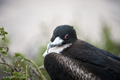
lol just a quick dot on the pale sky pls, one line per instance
(30, 22)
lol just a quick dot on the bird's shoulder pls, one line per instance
(83, 51)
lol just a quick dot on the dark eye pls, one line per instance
(66, 36)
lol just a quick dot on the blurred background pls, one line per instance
(30, 23)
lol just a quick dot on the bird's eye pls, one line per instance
(66, 36)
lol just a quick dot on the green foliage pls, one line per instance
(3, 33)
(16, 71)
(13, 78)
(23, 58)
(4, 50)
(18, 55)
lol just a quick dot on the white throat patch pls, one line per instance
(57, 49)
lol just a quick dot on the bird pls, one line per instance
(70, 58)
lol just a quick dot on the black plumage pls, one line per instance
(80, 60)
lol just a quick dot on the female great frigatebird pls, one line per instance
(69, 58)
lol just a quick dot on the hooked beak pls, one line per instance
(57, 42)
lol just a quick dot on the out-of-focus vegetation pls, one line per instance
(25, 71)
(15, 71)
(108, 43)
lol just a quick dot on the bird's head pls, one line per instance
(62, 37)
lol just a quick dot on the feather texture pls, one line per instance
(82, 61)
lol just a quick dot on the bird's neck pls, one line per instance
(59, 49)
